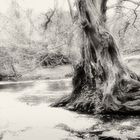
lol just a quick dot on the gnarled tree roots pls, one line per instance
(119, 95)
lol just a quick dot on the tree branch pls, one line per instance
(49, 18)
(116, 5)
(135, 12)
(134, 2)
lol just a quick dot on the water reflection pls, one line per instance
(26, 114)
(45, 91)
(15, 86)
(37, 99)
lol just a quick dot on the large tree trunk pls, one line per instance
(101, 81)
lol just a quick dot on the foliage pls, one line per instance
(24, 40)
(54, 59)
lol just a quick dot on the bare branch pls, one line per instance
(135, 12)
(134, 2)
(131, 1)
(49, 17)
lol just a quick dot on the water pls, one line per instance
(25, 113)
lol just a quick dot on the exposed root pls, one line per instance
(61, 102)
(123, 97)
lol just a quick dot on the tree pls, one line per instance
(124, 24)
(101, 82)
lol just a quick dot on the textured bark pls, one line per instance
(101, 83)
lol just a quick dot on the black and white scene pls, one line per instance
(69, 69)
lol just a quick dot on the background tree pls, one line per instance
(124, 25)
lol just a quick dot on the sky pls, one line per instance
(40, 5)
(37, 5)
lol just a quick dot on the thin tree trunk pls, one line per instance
(101, 83)
(71, 10)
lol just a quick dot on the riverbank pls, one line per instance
(64, 71)
(41, 73)
(58, 72)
